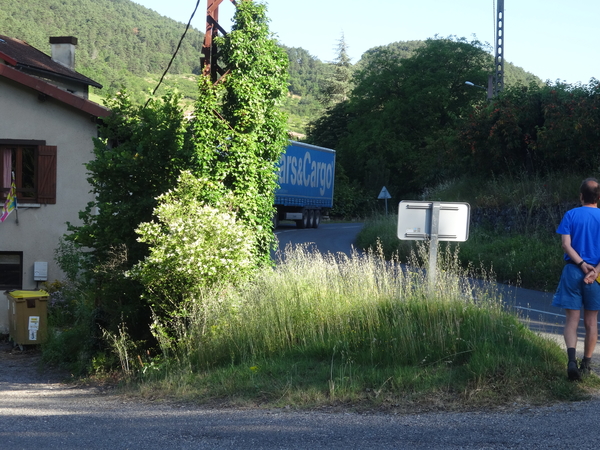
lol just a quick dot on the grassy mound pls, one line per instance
(324, 330)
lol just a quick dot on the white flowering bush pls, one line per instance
(194, 246)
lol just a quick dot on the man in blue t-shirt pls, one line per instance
(580, 231)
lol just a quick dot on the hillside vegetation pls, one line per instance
(116, 37)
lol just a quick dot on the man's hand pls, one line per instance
(587, 268)
(591, 274)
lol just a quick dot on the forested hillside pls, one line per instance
(114, 34)
(123, 44)
(119, 41)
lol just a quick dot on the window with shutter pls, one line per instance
(34, 167)
(46, 175)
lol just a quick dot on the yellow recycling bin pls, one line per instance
(28, 316)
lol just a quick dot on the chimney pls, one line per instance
(63, 50)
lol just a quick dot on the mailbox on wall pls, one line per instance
(40, 271)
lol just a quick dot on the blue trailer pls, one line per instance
(306, 175)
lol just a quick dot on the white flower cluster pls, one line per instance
(193, 245)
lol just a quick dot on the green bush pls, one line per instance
(71, 333)
(193, 246)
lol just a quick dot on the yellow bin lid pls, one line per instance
(28, 294)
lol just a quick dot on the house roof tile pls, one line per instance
(24, 57)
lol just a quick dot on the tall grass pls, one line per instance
(533, 260)
(347, 326)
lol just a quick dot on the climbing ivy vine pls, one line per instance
(239, 129)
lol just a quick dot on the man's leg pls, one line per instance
(590, 321)
(571, 324)
(591, 305)
(570, 334)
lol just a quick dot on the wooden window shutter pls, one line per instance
(46, 179)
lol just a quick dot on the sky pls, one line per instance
(553, 39)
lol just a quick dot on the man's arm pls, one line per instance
(573, 255)
(590, 271)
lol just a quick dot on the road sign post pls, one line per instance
(384, 194)
(433, 221)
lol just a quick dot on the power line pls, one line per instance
(175, 53)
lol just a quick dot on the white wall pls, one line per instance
(23, 116)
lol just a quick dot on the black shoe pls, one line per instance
(573, 371)
(584, 368)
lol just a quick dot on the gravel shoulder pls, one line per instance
(39, 410)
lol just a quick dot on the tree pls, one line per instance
(138, 156)
(401, 126)
(337, 86)
(232, 145)
(404, 113)
(239, 130)
(349, 199)
(535, 129)
(395, 50)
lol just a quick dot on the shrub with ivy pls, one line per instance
(239, 131)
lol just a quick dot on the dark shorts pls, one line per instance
(573, 293)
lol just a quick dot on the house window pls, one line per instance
(34, 167)
(11, 270)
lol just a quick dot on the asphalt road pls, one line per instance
(328, 238)
(43, 415)
(39, 412)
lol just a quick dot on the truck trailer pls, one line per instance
(306, 175)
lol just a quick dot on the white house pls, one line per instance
(46, 130)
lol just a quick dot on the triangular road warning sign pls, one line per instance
(384, 194)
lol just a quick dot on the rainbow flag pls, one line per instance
(11, 202)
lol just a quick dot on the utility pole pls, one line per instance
(210, 53)
(499, 59)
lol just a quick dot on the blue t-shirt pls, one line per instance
(583, 225)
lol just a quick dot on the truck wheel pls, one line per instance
(303, 223)
(311, 218)
(317, 219)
